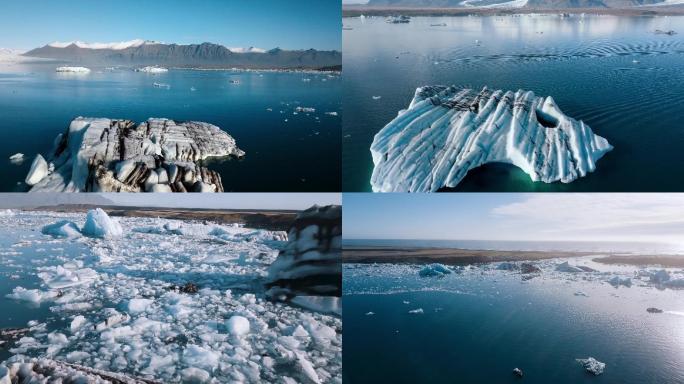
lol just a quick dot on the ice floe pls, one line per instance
(592, 365)
(99, 154)
(434, 270)
(125, 306)
(73, 69)
(446, 131)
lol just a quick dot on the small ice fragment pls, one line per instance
(592, 365)
(418, 311)
(138, 305)
(377, 97)
(370, 313)
(237, 326)
(518, 372)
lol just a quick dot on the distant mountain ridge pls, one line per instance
(205, 55)
(553, 4)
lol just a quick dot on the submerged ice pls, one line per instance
(158, 155)
(446, 131)
(123, 305)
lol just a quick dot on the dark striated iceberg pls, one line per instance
(158, 155)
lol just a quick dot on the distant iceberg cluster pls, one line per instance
(73, 69)
(446, 131)
(152, 69)
(158, 155)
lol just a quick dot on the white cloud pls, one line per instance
(626, 216)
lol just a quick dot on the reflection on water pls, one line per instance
(615, 73)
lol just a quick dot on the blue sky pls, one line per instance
(505, 216)
(291, 24)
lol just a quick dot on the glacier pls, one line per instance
(447, 131)
(108, 155)
(116, 313)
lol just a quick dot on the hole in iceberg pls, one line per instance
(545, 119)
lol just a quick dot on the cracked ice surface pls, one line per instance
(445, 132)
(115, 308)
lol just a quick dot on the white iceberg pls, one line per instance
(17, 158)
(62, 228)
(418, 311)
(73, 69)
(152, 69)
(592, 365)
(660, 277)
(99, 224)
(435, 269)
(237, 325)
(618, 281)
(446, 131)
(39, 169)
(566, 267)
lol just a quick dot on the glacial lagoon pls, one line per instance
(617, 74)
(286, 149)
(479, 322)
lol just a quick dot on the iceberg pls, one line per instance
(17, 158)
(592, 365)
(62, 228)
(566, 267)
(73, 69)
(310, 264)
(99, 224)
(105, 155)
(152, 69)
(617, 281)
(434, 270)
(446, 131)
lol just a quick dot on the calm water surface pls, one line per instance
(300, 154)
(613, 72)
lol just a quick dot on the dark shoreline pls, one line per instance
(453, 256)
(358, 10)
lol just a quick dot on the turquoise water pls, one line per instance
(478, 325)
(300, 154)
(614, 73)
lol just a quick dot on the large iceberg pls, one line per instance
(447, 131)
(310, 265)
(158, 155)
(99, 224)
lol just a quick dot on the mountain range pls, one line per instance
(205, 55)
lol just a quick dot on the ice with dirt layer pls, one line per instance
(446, 131)
(107, 155)
(119, 308)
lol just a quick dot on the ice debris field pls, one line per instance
(447, 131)
(155, 299)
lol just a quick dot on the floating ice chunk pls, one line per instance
(370, 313)
(592, 365)
(580, 293)
(238, 325)
(39, 169)
(31, 295)
(6, 213)
(195, 375)
(17, 158)
(660, 277)
(62, 228)
(306, 368)
(113, 318)
(73, 69)
(305, 109)
(617, 281)
(197, 356)
(566, 267)
(377, 97)
(445, 132)
(322, 304)
(331, 113)
(508, 266)
(418, 311)
(77, 323)
(435, 269)
(138, 305)
(99, 224)
(152, 69)
(67, 276)
(675, 283)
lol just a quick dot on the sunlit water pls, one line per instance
(614, 73)
(479, 324)
(285, 151)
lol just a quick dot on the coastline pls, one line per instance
(381, 11)
(454, 256)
